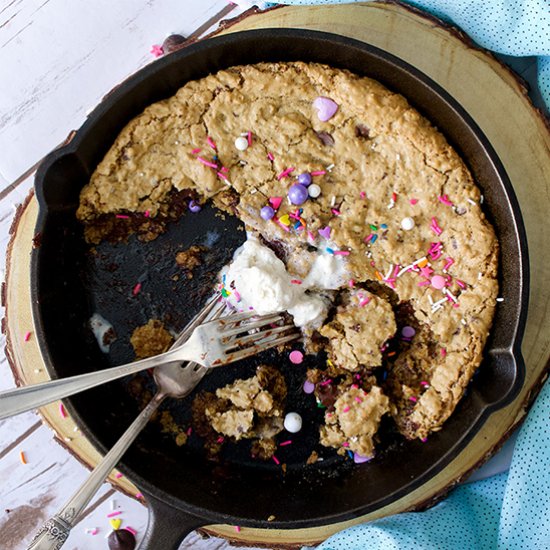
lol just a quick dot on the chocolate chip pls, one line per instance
(173, 43)
(362, 131)
(121, 539)
(326, 138)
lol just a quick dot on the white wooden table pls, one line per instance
(58, 58)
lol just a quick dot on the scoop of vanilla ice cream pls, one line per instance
(257, 279)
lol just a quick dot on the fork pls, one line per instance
(23, 399)
(173, 380)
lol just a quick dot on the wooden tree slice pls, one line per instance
(498, 102)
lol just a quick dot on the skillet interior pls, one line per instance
(68, 287)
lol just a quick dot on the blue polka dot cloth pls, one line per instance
(512, 27)
(509, 511)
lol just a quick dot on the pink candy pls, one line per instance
(438, 282)
(296, 357)
(326, 108)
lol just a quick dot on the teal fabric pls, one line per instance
(512, 27)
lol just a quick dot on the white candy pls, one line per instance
(293, 422)
(314, 190)
(241, 143)
(407, 224)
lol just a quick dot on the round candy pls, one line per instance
(267, 213)
(309, 387)
(297, 193)
(408, 332)
(293, 422)
(296, 357)
(121, 539)
(438, 282)
(173, 43)
(314, 190)
(194, 207)
(241, 143)
(304, 179)
(407, 224)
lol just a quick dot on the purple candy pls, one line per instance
(194, 207)
(309, 387)
(408, 332)
(304, 179)
(298, 194)
(326, 108)
(358, 459)
(267, 213)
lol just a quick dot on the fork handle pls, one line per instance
(26, 398)
(53, 534)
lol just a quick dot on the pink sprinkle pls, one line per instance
(318, 173)
(295, 281)
(211, 142)
(364, 302)
(423, 283)
(363, 195)
(413, 201)
(358, 399)
(435, 227)
(270, 157)
(424, 383)
(62, 411)
(285, 173)
(351, 283)
(367, 239)
(249, 138)
(237, 528)
(443, 352)
(311, 236)
(207, 163)
(118, 475)
(189, 431)
(280, 224)
(139, 495)
(335, 211)
(460, 283)
(222, 176)
(27, 336)
(237, 296)
(448, 263)
(225, 169)
(345, 444)
(284, 443)
(147, 213)
(156, 50)
(136, 289)
(122, 216)
(345, 409)
(131, 529)
(196, 151)
(413, 399)
(276, 460)
(94, 531)
(296, 357)
(445, 200)
(219, 440)
(341, 252)
(355, 386)
(113, 514)
(326, 382)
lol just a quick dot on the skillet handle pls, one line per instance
(167, 526)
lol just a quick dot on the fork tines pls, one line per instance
(245, 335)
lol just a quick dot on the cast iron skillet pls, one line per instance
(182, 489)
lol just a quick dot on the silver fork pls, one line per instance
(173, 380)
(30, 397)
